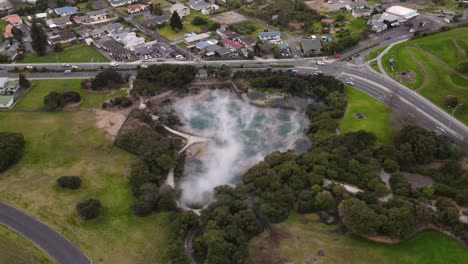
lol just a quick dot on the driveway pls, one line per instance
(54, 244)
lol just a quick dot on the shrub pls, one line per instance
(89, 209)
(198, 21)
(69, 182)
(121, 101)
(107, 79)
(55, 101)
(451, 101)
(11, 149)
(390, 166)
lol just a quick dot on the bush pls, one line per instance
(55, 101)
(121, 101)
(69, 182)
(390, 166)
(89, 209)
(198, 21)
(107, 79)
(11, 149)
(451, 101)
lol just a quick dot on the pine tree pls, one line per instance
(176, 23)
(39, 39)
(23, 82)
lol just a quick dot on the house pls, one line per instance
(113, 27)
(225, 52)
(114, 48)
(61, 37)
(7, 33)
(377, 25)
(155, 22)
(248, 42)
(95, 16)
(86, 31)
(202, 45)
(128, 39)
(232, 44)
(117, 3)
(60, 22)
(66, 11)
(14, 20)
(311, 46)
(136, 8)
(180, 9)
(199, 5)
(274, 35)
(192, 38)
(211, 50)
(5, 5)
(357, 13)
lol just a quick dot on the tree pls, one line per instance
(38, 39)
(157, 9)
(11, 149)
(23, 82)
(17, 34)
(358, 217)
(69, 182)
(58, 47)
(108, 78)
(199, 21)
(52, 101)
(451, 101)
(324, 201)
(390, 166)
(176, 23)
(89, 209)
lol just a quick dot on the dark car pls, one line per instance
(2, 68)
(387, 38)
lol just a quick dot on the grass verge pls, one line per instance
(81, 53)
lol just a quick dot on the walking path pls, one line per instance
(54, 244)
(462, 51)
(379, 57)
(190, 138)
(421, 69)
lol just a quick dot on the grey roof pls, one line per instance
(270, 34)
(67, 10)
(213, 48)
(156, 20)
(96, 12)
(223, 51)
(311, 44)
(59, 20)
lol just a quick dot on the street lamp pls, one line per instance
(453, 112)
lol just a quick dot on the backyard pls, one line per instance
(300, 237)
(81, 53)
(170, 34)
(376, 116)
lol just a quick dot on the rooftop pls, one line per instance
(311, 44)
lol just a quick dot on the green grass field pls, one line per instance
(69, 143)
(297, 242)
(377, 115)
(356, 27)
(81, 53)
(373, 54)
(402, 63)
(16, 249)
(34, 98)
(3, 25)
(170, 34)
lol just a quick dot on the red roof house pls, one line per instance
(232, 44)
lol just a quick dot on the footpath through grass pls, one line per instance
(16, 249)
(300, 237)
(377, 116)
(34, 98)
(81, 53)
(69, 143)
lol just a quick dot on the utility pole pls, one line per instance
(453, 112)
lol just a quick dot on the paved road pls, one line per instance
(54, 244)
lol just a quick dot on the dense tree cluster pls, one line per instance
(38, 39)
(158, 78)
(106, 79)
(56, 101)
(69, 182)
(121, 101)
(11, 149)
(89, 209)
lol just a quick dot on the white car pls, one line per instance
(74, 67)
(65, 65)
(412, 30)
(29, 67)
(350, 83)
(114, 64)
(144, 66)
(320, 63)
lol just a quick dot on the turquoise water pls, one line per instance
(242, 136)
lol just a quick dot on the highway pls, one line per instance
(54, 244)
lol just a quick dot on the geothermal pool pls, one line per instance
(242, 136)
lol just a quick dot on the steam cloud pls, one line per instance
(243, 135)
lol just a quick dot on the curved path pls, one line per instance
(191, 139)
(439, 61)
(54, 244)
(462, 51)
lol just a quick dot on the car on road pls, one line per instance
(180, 57)
(317, 73)
(336, 56)
(350, 83)
(29, 67)
(67, 72)
(144, 66)
(293, 70)
(320, 63)
(2, 68)
(74, 67)
(114, 64)
(66, 65)
(268, 69)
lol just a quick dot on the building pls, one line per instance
(311, 46)
(192, 38)
(357, 13)
(233, 45)
(95, 16)
(199, 5)
(113, 27)
(66, 11)
(14, 20)
(155, 22)
(248, 42)
(60, 22)
(115, 49)
(136, 8)
(61, 37)
(225, 52)
(202, 45)
(117, 3)
(402, 12)
(87, 31)
(180, 9)
(274, 35)
(5, 5)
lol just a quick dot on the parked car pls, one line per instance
(114, 64)
(65, 65)
(74, 67)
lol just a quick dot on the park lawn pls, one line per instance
(300, 237)
(375, 67)
(246, 24)
(81, 53)
(463, 44)
(16, 249)
(402, 63)
(69, 143)
(442, 83)
(170, 34)
(373, 54)
(34, 98)
(377, 115)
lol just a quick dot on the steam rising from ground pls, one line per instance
(242, 136)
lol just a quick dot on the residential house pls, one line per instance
(128, 39)
(225, 52)
(117, 3)
(66, 11)
(60, 22)
(233, 45)
(199, 5)
(202, 45)
(357, 13)
(209, 10)
(12, 51)
(311, 46)
(274, 35)
(114, 48)
(5, 5)
(61, 37)
(193, 38)
(113, 27)
(14, 20)
(136, 8)
(155, 22)
(248, 42)
(211, 50)
(88, 31)
(95, 16)
(181, 10)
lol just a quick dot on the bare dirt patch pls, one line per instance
(229, 18)
(417, 180)
(109, 121)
